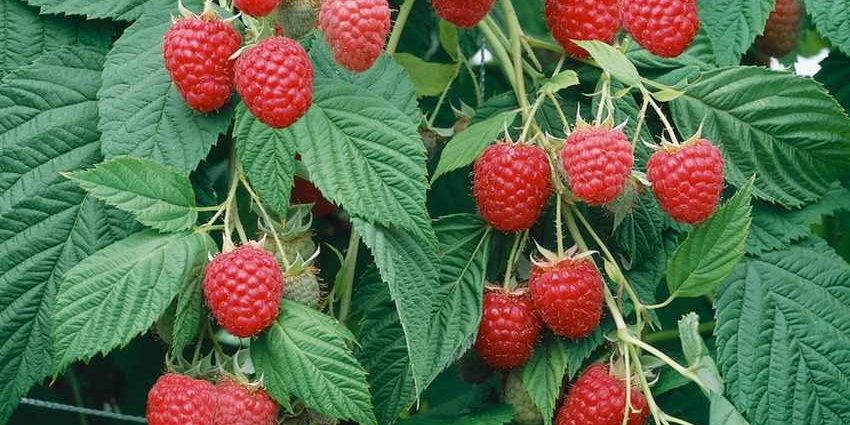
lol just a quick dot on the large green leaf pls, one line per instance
(832, 19)
(784, 129)
(783, 337)
(429, 78)
(544, 374)
(190, 311)
(141, 112)
(117, 293)
(712, 249)
(126, 10)
(464, 148)
(157, 195)
(612, 61)
(306, 354)
(732, 25)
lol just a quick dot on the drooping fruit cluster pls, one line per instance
(687, 179)
(780, 33)
(197, 51)
(275, 80)
(597, 398)
(582, 20)
(243, 289)
(525, 411)
(356, 30)
(240, 404)
(509, 328)
(256, 8)
(664, 27)
(598, 161)
(463, 13)
(512, 184)
(567, 293)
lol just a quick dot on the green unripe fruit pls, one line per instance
(526, 413)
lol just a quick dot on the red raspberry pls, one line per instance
(463, 13)
(512, 184)
(568, 296)
(243, 288)
(303, 192)
(664, 27)
(241, 405)
(509, 329)
(256, 8)
(275, 80)
(356, 30)
(197, 54)
(180, 400)
(687, 180)
(598, 162)
(582, 20)
(780, 33)
(597, 398)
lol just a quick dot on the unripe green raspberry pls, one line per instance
(318, 419)
(526, 413)
(304, 288)
(298, 17)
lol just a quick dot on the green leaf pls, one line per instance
(497, 415)
(784, 129)
(429, 78)
(832, 19)
(783, 337)
(190, 306)
(449, 40)
(640, 233)
(613, 61)
(125, 10)
(464, 148)
(722, 412)
(158, 196)
(732, 25)
(712, 249)
(699, 359)
(579, 351)
(543, 375)
(267, 156)
(563, 80)
(306, 354)
(118, 292)
(141, 112)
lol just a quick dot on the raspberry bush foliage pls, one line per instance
(425, 212)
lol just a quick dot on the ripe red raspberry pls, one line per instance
(664, 27)
(582, 20)
(509, 328)
(598, 162)
(687, 180)
(275, 80)
(241, 405)
(567, 295)
(780, 33)
(304, 192)
(180, 400)
(356, 30)
(512, 184)
(256, 8)
(463, 13)
(243, 288)
(197, 54)
(597, 398)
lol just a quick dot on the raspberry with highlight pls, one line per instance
(356, 30)
(512, 184)
(257, 8)
(568, 296)
(275, 80)
(241, 405)
(463, 13)
(197, 54)
(780, 33)
(687, 180)
(180, 400)
(243, 289)
(598, 162)
(582, 20)
(664, 27)
(597, 398)
(508, 330)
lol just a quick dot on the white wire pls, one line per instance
(82, 410)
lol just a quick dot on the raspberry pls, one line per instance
(256, 8)
(298, 17)
(180, 400)
(582, 20)
(597, 398)
(780, 33)
(243, 290)
(687, 180)
(509, 329)
(241, 405)
(568, 296)
(197, 54)
(275, 80)
(525, 412)
(305, 192)
(512, 184)
(356, 30)
(463, 13)
(664, 27)
(598, 162)
(304, 288)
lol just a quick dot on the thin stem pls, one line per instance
(348, 279)
(559, 227)
(530, 120)
(657, 414)
(574, 231)
(196, 354)
(216, 345)
(400, 22)
(672, 334)
(509, 269)
(542, 44)
(628, 407)
(498, 50)
(213, 208)
(561, 114)
(267, 220)
(475, 84)
(515, 32)
(441, 100)
(666, 302)
(641, 120)
(648, 97)
(76, 393)
(627, 337)
(606, 81)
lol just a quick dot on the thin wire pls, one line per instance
(82, 410)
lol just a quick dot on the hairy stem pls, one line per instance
(400, 22)
(349, 265)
